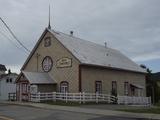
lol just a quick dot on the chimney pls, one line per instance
(71, 33)
(9, 71)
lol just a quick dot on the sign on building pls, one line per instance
(64, 62)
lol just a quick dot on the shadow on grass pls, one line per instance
(148, 110)
(69, 103)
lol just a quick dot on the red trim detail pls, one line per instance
(80, 79)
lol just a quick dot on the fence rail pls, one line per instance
(127, 100)
(85, 97)
(77, 97)
(12, 96)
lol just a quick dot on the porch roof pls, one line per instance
(38, 78)
(137, 86)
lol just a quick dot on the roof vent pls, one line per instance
(71, 33)
(105, 44)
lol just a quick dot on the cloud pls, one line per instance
(131, 26)
(147, 57)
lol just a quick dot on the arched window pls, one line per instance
(64, 87)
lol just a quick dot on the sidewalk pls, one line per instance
(88, 110)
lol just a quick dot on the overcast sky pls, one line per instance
(131, 26)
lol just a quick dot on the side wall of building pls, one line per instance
(56, 51)
(7, 86)
(91, 74)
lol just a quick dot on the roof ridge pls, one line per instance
(57, 32)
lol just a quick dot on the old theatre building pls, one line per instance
(64, 63)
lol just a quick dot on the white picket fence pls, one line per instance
(127, 100)
(76, 97)
(86, 97)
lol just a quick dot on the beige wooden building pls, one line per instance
(65, 63)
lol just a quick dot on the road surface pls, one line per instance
(16, 112)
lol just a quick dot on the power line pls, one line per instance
(14, 35)
(11, 41)
(8, 38)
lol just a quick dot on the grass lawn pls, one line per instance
(69, 103)
(155, 110)
(62, 103)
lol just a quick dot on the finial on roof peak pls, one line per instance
(49, 26)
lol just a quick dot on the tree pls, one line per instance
(150, 83)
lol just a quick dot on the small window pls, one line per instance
(98, 87)
(126, 88)
(7, 80)
(114, 88)
(64, 87)
(47, 42)
(10, 80)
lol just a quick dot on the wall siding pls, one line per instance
(56, 51)
(46, 88)
(90, 75)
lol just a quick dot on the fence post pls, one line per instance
(83, 94)
(80, 98)
(15, 96)
(54, 96)
(90, 97)
(39, 97)
(30, 97)
(66, 96)
(9, 96)
(96, 97)
(118, 100)
(149, 101)
(103, 97)
(126, 100)
(73, 95)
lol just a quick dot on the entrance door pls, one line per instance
(24, 91)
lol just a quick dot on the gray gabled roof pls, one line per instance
(38, 78)
(94, 54)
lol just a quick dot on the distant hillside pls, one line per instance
(156, 76)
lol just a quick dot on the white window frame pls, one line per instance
(64, 87)
(98, 87)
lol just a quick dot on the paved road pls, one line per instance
(15, 112)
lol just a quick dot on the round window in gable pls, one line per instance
(47, 64)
